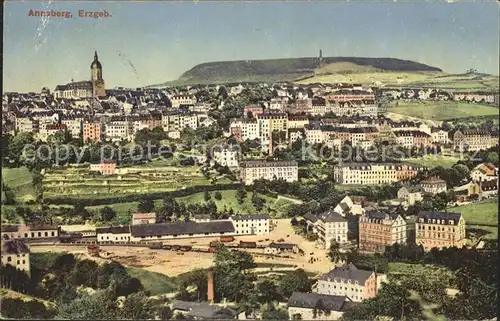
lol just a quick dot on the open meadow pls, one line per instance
(485, 212)
(441, 110)
(19, 181)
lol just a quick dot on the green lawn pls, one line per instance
(276, 206)
(19, 180)
(440, 110)
(155, 283)
(421, 271)
(431, 161)
(485, 212)
(485, 232)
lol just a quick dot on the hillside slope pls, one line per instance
(293, 69)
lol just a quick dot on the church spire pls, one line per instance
(95, 56)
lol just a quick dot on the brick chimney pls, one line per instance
(210, 288)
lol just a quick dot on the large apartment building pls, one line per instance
(374, 173)
(177, 121)
(92, 131)
(251, 171)
(378, 230)
(348, 280)
(16, 254)
(471, 140)
(439, 229)
(329, 226)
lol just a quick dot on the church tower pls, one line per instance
(320, 60)
(98, 88)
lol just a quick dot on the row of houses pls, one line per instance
(377, 229)
(113, 128)
(374, 173)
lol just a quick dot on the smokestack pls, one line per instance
(210, 288)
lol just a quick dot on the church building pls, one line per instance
(84, 89)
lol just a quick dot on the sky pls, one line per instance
(144, 43)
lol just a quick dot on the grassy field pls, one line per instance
(485, 232)
(153, 282)
(485, 212)
(19, 180)
(421, 271)
(277, 206)
(431, 161)
(440, 110)
(402, 79)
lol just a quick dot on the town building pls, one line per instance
(466, 192)
(84, 89)
(331, 226)
(143, 218)
(314, 306)
(251, 171)
(28, 232)
(374, 173)
(92, 131)
(433, 185)
(349, 281)
(104, 168)
(484, 172)
(410, 194)
(378, 230)
(118, 128)
(16, 253)
(226, 155)
(73, 125)
(440, 230)
(489, 188)
(26, 125)
(49, 130)
(258, 224)
(244, 129)
(281, 248)
(113, 234)
(350, 204)
(179, 100)
(439, 135)
(471, 140)
(178, 120)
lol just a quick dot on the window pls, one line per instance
(9, 259)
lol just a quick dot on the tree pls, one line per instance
(137, 306)
(98, 306)
(492, 157)
(334, 252)
(241, 193)
(145, 206)
(268, 291)
(218, 195)
(107, 214)
(296, 281)
(85, 273)
(270, 312)
(206, 196)
(20, 309)
(258, 202)
(64, 263)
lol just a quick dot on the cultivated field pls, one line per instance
(421, 271)
(441, 110)
(81, 183)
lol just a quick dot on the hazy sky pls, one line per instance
(162, 40)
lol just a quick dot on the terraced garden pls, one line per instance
(81, 183)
